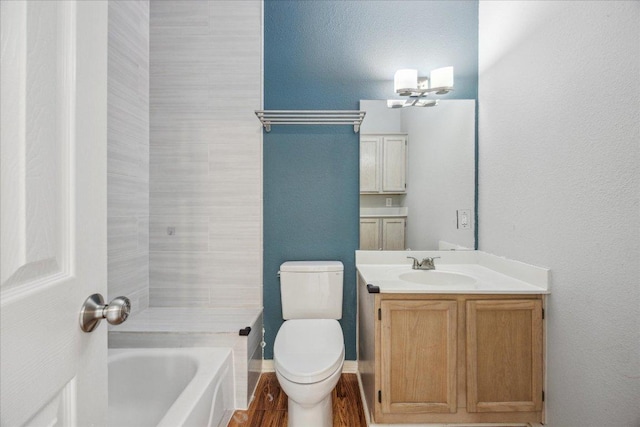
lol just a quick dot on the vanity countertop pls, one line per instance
(384, 212)
(479, 273)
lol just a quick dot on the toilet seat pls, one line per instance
(308, 350)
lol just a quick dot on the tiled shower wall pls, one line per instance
(128, 152)
(206, 159)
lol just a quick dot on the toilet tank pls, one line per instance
(311, 289)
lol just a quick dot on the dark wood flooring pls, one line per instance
(269, 406)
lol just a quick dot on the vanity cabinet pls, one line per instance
(418, 356)
(383, 164)
(384, 233)
(504, 355)
(451, 358)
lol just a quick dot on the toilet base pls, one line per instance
(318, 415)
(311, 405)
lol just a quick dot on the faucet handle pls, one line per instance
(427, 263)
(416, 263)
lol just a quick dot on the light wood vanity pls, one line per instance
(453, 357)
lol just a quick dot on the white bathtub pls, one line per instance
(170, 387)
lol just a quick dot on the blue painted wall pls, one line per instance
(329, 55)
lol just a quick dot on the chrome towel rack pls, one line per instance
(310, 117)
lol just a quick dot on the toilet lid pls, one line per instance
(308, 350)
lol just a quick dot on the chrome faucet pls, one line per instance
(425, 264)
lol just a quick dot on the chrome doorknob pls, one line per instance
(94, 310)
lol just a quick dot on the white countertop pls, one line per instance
(492, 274)
(384, 212)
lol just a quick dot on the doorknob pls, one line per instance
(94, 310)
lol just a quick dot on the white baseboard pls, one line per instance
(349, 367)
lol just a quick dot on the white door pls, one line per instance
(53, 211)
(369, 164)
(393, 234)
(370, 234)
(394, 166)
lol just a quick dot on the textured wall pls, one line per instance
(559, 129)
(128, 151)
(329, 55)
(206, 165)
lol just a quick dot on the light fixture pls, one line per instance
(412, 102)
(407, 83)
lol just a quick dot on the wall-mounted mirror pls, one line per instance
(417, 176)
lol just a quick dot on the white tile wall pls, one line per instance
(205, 157)
(178, 233)
(128, 152)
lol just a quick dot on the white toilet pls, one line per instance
(308, 353)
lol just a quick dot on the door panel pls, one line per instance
(34, 148)
(504, 356)
(393, 234)
(53, 210)
(370, 234)
(394, 168)
(369, 164)
(418, 356)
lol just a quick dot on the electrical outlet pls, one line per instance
(464, 219)
(389, 201)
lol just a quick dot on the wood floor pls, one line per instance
(269, 407)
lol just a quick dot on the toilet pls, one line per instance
(308, 352)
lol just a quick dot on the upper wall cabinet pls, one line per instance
(383, 164)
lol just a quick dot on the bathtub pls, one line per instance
(170, 387)
(182, 327)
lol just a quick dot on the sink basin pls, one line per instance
(434, 277)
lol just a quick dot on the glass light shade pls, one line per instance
(442, 77)
(426, 103)
(405, 79)
(395, 103)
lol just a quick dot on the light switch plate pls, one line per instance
(464, 219)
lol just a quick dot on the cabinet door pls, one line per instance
(393, 234)
(369, 164)
(370, 234)
(504, 356)
(418, 360)
(394, 175)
